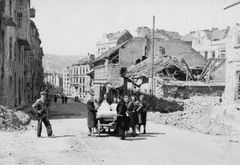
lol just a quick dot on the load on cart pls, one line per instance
(106, 118)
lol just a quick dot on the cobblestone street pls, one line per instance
(71, 145)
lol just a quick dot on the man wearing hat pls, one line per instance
(40, 107)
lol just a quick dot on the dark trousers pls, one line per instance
(121, 125)
(47, 124)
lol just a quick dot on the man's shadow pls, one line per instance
(60, 136)
(151, 134)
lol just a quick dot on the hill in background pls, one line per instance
(57, 63)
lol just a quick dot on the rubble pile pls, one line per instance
(11, 120)
(196, 116)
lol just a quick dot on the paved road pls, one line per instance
(161, 145)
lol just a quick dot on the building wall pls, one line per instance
(232, 91)
(19, 51)
(134, 50)
(208, 48)
(105, 44)
(66, 82)
(79, 80)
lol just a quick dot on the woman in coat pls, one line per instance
(132, 107)
(91, 118)
(142, 113)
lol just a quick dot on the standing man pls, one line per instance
(122, 119)
(66, 98)
(62, 99)
(40, 107)
(55, 99)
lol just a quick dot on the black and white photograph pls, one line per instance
(119, 82)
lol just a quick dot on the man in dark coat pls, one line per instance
(40, 107)
(62, 99)
(91, 118)
(65, 98)
(122, 119)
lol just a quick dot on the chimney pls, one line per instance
(91, 57)
(145, 46)
(161, 50)
(214, 29)
(237, 24)
(228, 27)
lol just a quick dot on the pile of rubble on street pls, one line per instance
(198, 115)
(13, 120)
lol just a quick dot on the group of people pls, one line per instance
(64, 99)
(131, 113)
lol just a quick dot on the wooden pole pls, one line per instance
(234, 4)
(152, 93)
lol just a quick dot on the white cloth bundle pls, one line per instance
(104, 111)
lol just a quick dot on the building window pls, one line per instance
(15, 51)
(10, 47)
(239, 39)
(19, 19)
(11, 81)
(206, 54)
(223, 53)
(213, 54)
(10, 8)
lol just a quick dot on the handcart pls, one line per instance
(106, 122)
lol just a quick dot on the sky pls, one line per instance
(73, 27)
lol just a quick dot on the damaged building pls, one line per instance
(21, 54)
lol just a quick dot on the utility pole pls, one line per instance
(152, 93)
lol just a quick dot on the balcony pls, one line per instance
(32, 13)
(23, 41)
(7, 20)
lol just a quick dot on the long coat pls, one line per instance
(91, 118)
(122, 119)
(142, 112)
(131, 109)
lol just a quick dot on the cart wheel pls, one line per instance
(99, 128)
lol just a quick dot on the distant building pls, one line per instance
(79, 80)
(109, 66)
(66, 81)
(211, 43)
(111, 40)
(56, 80)
(53, 78)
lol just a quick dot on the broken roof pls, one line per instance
(219, 75)
(116, 82)
(145, 31)
(83, 61)
(113, 36)
(175, 50)
(109, 52)
(143, 69)
(188, 37)
(216, 34)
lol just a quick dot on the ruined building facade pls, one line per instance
(21, 71)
